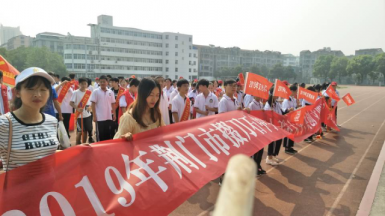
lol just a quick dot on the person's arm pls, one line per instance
(113, 111)
(176, 117)
(214, 109)
(94, 111)
(201, 111)
(60, 85)
(58, 109)
(123, 103)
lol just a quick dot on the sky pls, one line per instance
(287, 26)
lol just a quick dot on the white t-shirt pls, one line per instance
(255, 105)
(227, 104)
(163, 106)
(240, 97)
(178, 105)
(168, 91)
(76, 98)
(277, 108)
(247, 100)
(30, 142)
(65, 104)
(103, 103)
(201, 101)
(173, 94)
(9, 95)
(287, 104)
(122, 100)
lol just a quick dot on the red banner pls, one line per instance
(9, 72)
(348, 99)
(151, 175)
(241, 79)
(281, 90)
(257, 85)
(308, 95)
(332, 93)
(63, 91)
(329, 116)
(298, 131)
(83, 103)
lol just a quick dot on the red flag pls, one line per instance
(281, 90)
(257, 85)
(332, 93)
(298, 115)
(9, 72)
(241, 79)
(308, 95)
(348, 99)
(329, 116)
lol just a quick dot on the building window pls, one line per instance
(189, 70)
(167, 45)
(166, 53)
(190, 47)
(176, 61)
(189, 55)
(166, 61)
(166, 69)
(176, 37)
(189, 62)
(167, 37)
(190, 39)
(176, 53)
(176, 69)
(176, 45)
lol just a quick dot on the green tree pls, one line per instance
(289, 73)
(322, 66)
(255, 69)
(22, 58)
(338, 68)
(361, 65)
(380, 64)
(277, 72)
(264, 71)
(4, 53)
(373, 75)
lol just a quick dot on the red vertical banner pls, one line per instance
(348, 99)
(257, 85)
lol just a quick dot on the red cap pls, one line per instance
(97, 78)
(133, 76)
(286, 82)
(180, 77)
(333, 83)
(195, 80)
(220, 82)
(238, 83)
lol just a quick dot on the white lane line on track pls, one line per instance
(303, 148)
(342, 192)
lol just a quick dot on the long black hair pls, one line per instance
(30, 83)
(138, 107)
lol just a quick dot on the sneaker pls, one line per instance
(295, 151)
(289, 151)
(271, 162)
(278, 160)
(220, 181)
(308, 140)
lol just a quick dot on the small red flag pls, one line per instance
(332, 93)
(308, 95)
(281, 90)
(9, 72)
(257, 85)
(348, 99)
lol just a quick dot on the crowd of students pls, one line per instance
(121, 107)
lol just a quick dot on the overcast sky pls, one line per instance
(288, 26)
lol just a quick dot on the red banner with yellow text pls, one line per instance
(9, 72)
(151, 175)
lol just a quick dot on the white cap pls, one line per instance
(33, 71)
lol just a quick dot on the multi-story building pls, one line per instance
(290, 60)
(371, 52)
(52, 41)
(7, 33)
(124, 51)
(19, 41)
(213, 59)
(307, 60)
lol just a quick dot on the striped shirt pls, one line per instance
(30, 142)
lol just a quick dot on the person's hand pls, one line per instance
(79, 110)
(206, 113)
(61, 118)
(113, 117)
(247, 110)
(207, 107)
(127, 136)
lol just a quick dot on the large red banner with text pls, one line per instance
(151, 175)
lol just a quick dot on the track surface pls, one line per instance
(327, 177)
